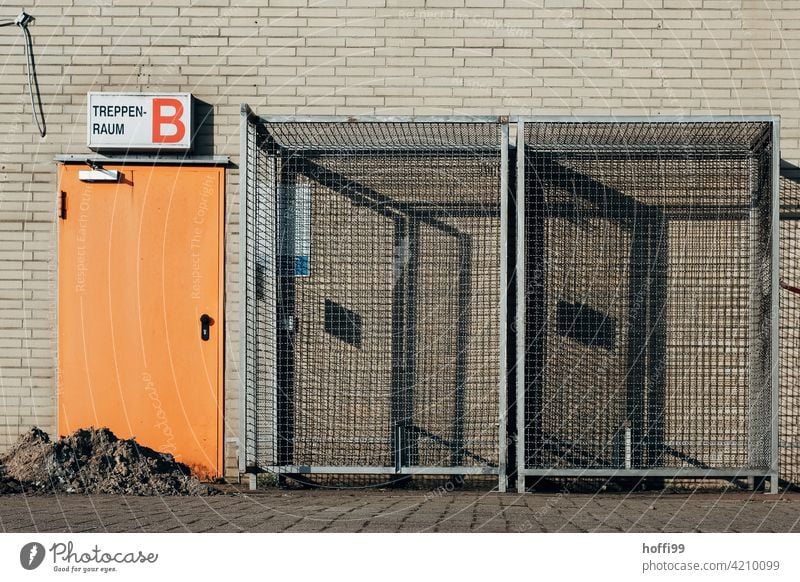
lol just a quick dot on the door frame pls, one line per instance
(120, 163)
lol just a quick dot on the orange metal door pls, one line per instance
(139, 265)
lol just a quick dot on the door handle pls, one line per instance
(205, 323)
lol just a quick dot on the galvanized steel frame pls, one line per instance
(246, 455)
(247, 459)
(775, 304)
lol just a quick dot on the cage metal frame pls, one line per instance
(247, 461)
(770, 472)
(518, 282)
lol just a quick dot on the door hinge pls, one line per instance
(62, 210)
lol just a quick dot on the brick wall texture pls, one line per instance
(576, 57)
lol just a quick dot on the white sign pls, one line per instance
(139, 121)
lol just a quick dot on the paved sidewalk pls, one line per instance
(404, 511)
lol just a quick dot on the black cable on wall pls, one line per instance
(37, 110)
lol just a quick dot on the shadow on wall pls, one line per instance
(203, 138)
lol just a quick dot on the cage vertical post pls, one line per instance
(521, 308)
(244, 451)
(775, 227)
(502, 367)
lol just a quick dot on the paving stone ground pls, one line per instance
(276, 510)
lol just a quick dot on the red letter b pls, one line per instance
(174, 119)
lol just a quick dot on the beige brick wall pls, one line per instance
(577, 57)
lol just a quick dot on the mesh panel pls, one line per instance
(382, 347)
(687, 139)
(647, 295)
(789, 428)
(380, 135)
(259, 183)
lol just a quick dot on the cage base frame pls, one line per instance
(376, 470)
(728, 474)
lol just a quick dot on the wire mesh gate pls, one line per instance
(648, 275)
(373, 318)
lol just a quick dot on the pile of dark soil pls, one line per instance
(93, 461)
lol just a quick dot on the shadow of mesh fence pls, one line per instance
(789, 427)
(648, 295)
(372, 296)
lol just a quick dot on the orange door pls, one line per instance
(139, 265)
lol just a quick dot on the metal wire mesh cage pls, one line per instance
(372, 267)
(648, 276)
(374, 307)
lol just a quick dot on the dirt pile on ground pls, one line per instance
(9, 484)
(93, 461)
